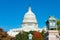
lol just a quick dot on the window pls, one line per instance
(52, 24)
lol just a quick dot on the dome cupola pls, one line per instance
(29, 17)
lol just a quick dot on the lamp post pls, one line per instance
(30, 37)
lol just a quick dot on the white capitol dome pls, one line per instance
(29, 16)
(29, 23)
(29, 19)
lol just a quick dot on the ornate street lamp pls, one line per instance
(30, 36)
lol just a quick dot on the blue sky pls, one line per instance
(12, 11)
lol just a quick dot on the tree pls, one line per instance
(58, 24)
(4, 35)
(43, 33)
(22, 36)
(37, 36)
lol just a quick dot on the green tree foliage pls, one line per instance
(24, 35)
(43, 33)
(58, 24)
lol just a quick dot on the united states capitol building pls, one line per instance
(30, 23)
